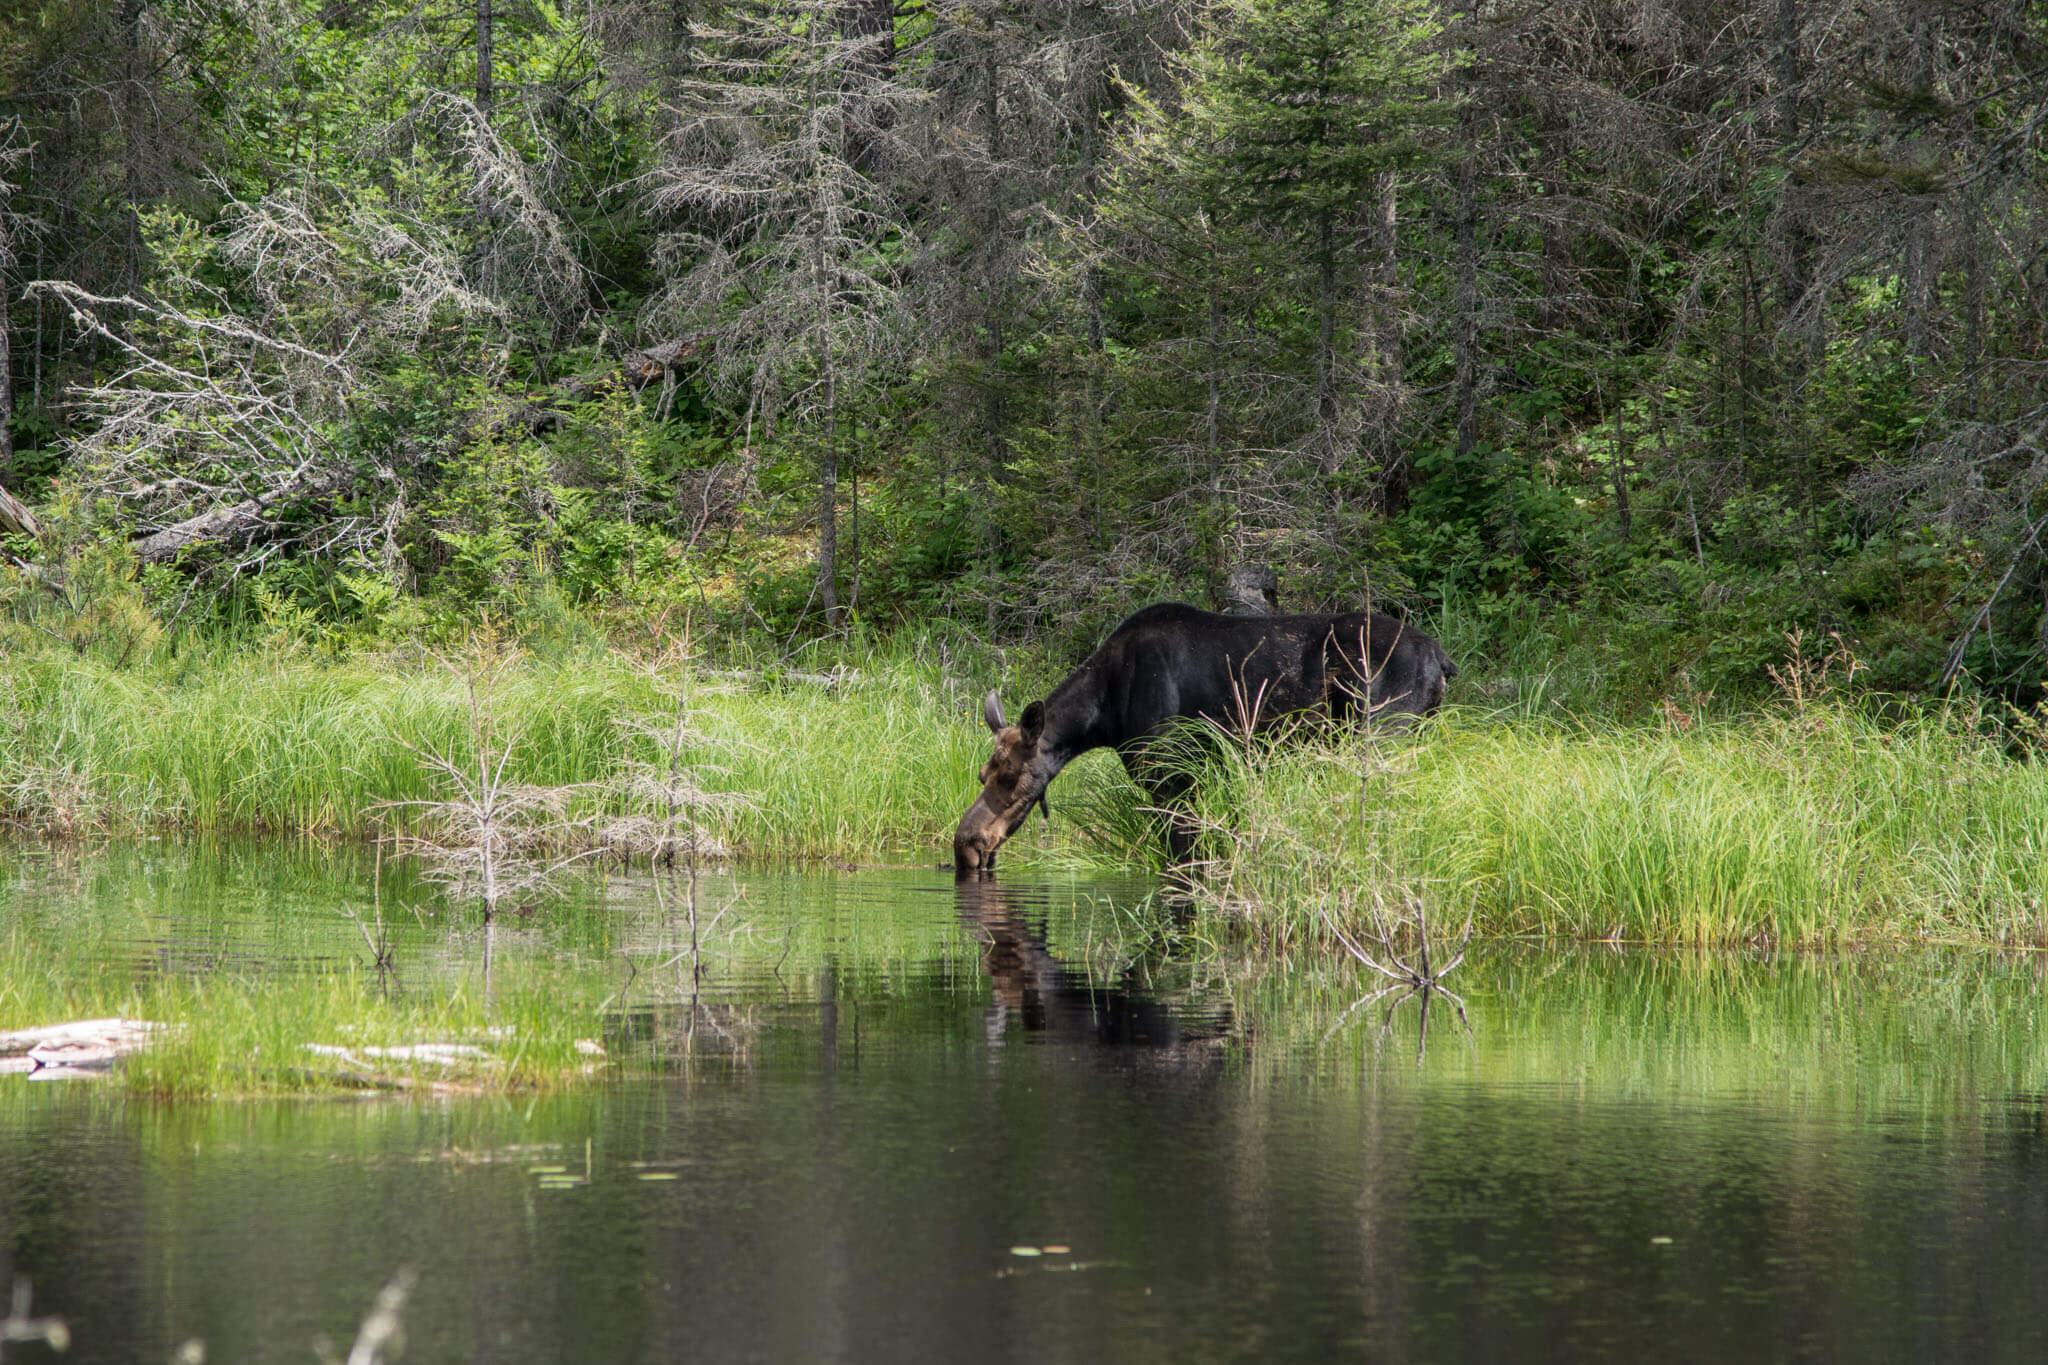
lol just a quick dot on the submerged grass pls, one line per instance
(248, 1035)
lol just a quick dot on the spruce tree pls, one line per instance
(1297, 116)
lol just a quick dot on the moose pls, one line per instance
(1172, 662)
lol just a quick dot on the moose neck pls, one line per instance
(1073, 716)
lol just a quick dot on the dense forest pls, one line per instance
(1686, 336)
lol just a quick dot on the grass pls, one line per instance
(1813, 827)
(878, 765)
(236, 1034)
(1815, 823)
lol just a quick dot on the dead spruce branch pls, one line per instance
(674, 817)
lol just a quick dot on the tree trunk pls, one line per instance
(828, 493)
(1466, 343)
(1091, 273)
(1555, 268)
(1622, 514)
(679, 62)
(871, 24)
(131, 144)
(15, 518)
(1793, 243)
(485, 94)
(1328, 458)
(995, 273)
(1395, 472)
(1973, 303)
(828, 459)
(6, 333)
(1213, 381)
(1920, 261)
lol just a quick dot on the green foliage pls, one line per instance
(1291, 109)
(1177, 292)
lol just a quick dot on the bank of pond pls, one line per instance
(1811, 823)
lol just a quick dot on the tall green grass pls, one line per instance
(879, 764)
(1808, 828)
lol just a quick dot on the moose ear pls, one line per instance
(992, 711)
(1032, 723)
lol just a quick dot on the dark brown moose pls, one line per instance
(1173, 662)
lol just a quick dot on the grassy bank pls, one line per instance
(1811, 827)
(1807, 824)
(874, 760)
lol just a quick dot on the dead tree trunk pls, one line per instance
(1395, 475)
(6, 333)
(486, 93)
(1329, 458)
(1919, 264)
(131, 141)
(871, 23)
(15, 518)
(1466, 343)
(1793, 244)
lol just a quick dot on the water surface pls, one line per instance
(834, 1123)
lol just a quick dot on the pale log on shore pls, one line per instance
(82, 1045)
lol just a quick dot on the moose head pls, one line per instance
(1014, 778)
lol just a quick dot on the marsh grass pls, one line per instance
(235, 1034)
(1813, 827)
(876, 766)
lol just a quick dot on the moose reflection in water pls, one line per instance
(1037, 994)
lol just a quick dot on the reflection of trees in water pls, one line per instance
(1037, 993)
(668, 977)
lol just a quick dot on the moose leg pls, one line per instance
(1163, 770)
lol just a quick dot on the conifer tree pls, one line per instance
(1297, 114)
(797, 266)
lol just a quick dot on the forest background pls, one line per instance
(1680, 340)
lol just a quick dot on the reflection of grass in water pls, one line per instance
(1922, 1031)
(237, 1034)
(245, 948)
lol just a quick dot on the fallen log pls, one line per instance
(122, 1033)
(78, 1048)
(237, 522)
(644, 367)
(15, 517)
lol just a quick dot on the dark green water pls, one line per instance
(828, 1142)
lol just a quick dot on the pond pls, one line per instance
(879, 1117)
